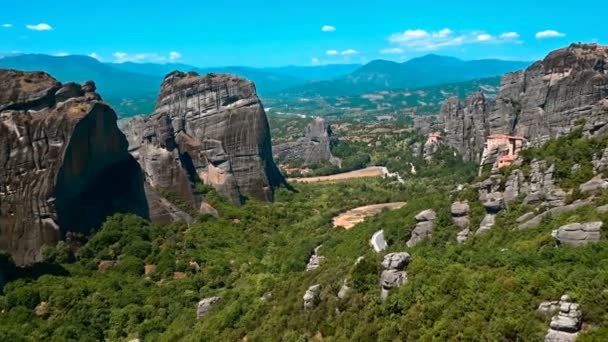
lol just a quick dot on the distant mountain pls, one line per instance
(316, 73)
(266, 80)
(424, 71)
(129, 93)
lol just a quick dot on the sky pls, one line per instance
(293, 32)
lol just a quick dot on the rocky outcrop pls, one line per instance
(460, 217)
(594, 186)
(536, 220)
(65, 163)
(315, 260)
(543, 101)
(566, 325)
(313, 148)
(393, 274)
(311, 296)
(579, 234)
(424, 227)
(211, 129)
(205, 305)
(378, 242)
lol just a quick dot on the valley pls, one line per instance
(386, 201)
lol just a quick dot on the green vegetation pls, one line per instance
(485, 289)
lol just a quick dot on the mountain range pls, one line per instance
(419, 72)
(132, 88)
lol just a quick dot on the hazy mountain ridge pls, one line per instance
(429, 70)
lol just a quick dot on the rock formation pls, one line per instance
(65, 163)
(543, 101)
(378, 242)
(424, 227)
(205, 305)
(579, 234)
(465, 124)
(393, 274)
(313, 148)
(315, 260)
(460, 217)
(211, 129)
(311, 297)
(566, 325)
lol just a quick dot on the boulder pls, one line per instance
(426, 215)
(392, 279)
(42, 309)
(486, 224)
(565, 326)
(554, 211)
(459, 209)
(593, 186)
(63, 155)
(205, 305)
(378, 242)
(548, 308)
(463, 235)
(311, 297)
(344, 290)
(396, 261)
(602, 209)
(494, 202)
(315, 260)
(422, 231)
(579, 234)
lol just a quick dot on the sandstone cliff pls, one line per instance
(543, 101)
(211, 129)
(65, 163)
(314, 147)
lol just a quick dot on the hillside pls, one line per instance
(419, 72)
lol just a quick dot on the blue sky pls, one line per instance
(284, 32)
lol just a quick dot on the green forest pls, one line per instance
(254, 258)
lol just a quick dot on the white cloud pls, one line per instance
(7, 25)
(349, 52)
(392, 51)
(328, 28)
(509, 35)
(62, 54)
(315, 60)
(332, 52)
(484, 37)
(422, 40)
(95, 55)
(122, 57)
(174, 56)
(39, 27)
(549, 34)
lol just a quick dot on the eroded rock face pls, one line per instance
(393, 274)
(206, 128)
(543, 101)
(465, 124)
(65, 163)
(205, 305)
(579, 234)
(424, 227)
(311, 296)
(566, 325)
(313, 148)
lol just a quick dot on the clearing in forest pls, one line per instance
(350, 218)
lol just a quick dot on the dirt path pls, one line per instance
(350, 218)
(374, 171)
